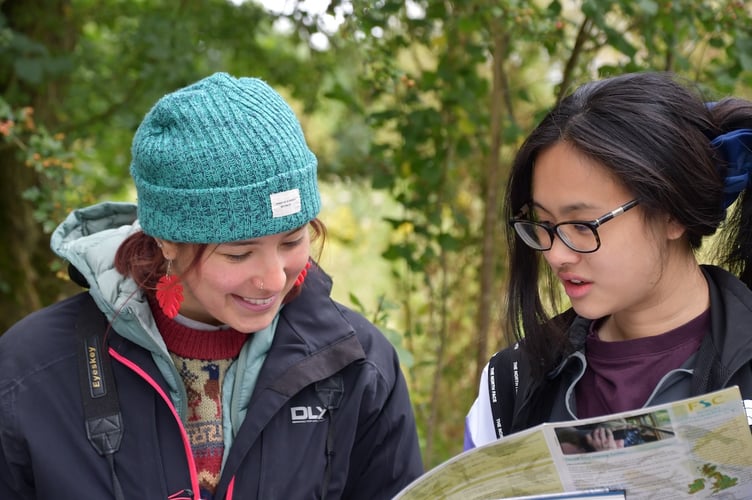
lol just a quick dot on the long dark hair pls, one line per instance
(653, 133)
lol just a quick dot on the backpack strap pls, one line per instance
(104, 422)
(503, 384)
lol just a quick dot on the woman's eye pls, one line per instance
(293, 243)
(236, 257)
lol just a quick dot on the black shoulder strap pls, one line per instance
(503, 383)
(104, 423)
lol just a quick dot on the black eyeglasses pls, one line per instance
(580, 236)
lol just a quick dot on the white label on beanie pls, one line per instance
(285, 203)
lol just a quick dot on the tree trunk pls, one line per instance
(493, 193)
(27, 281)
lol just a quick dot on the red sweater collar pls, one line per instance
(193, 343)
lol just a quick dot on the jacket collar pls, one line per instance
(722, 353)
(729, 345)
(578, 332)
(313, 339)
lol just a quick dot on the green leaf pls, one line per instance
(29, 70)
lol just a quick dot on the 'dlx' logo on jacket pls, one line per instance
(307, 414)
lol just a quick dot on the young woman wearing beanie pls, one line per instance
(608, 200)
(207, 359)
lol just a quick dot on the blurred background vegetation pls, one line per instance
(414, 108)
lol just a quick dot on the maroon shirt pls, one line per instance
(621, 375)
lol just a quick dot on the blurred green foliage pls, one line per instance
(414, 108)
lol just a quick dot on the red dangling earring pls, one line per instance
(169, 292)
(301, 277)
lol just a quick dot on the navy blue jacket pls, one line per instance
(280, 450)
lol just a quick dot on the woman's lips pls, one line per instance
(256, 304)
(576, 288)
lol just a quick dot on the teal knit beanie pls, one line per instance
(222, 160)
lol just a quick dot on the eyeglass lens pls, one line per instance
(578, 237)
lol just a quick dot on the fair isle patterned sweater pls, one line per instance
(202, 355)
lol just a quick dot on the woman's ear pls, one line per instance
(674, 229)
(169, 249)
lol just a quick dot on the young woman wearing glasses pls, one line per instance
(644, 323)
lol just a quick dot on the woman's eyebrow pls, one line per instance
(256, 241)
(567, 209)
(240, 243)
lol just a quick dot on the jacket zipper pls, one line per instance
(186, 442)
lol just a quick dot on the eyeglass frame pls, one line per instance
(553, 231)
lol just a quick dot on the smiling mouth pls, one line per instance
(259, 302)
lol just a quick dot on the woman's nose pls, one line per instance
(560, 254)
(258, 282)
(269, 275)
